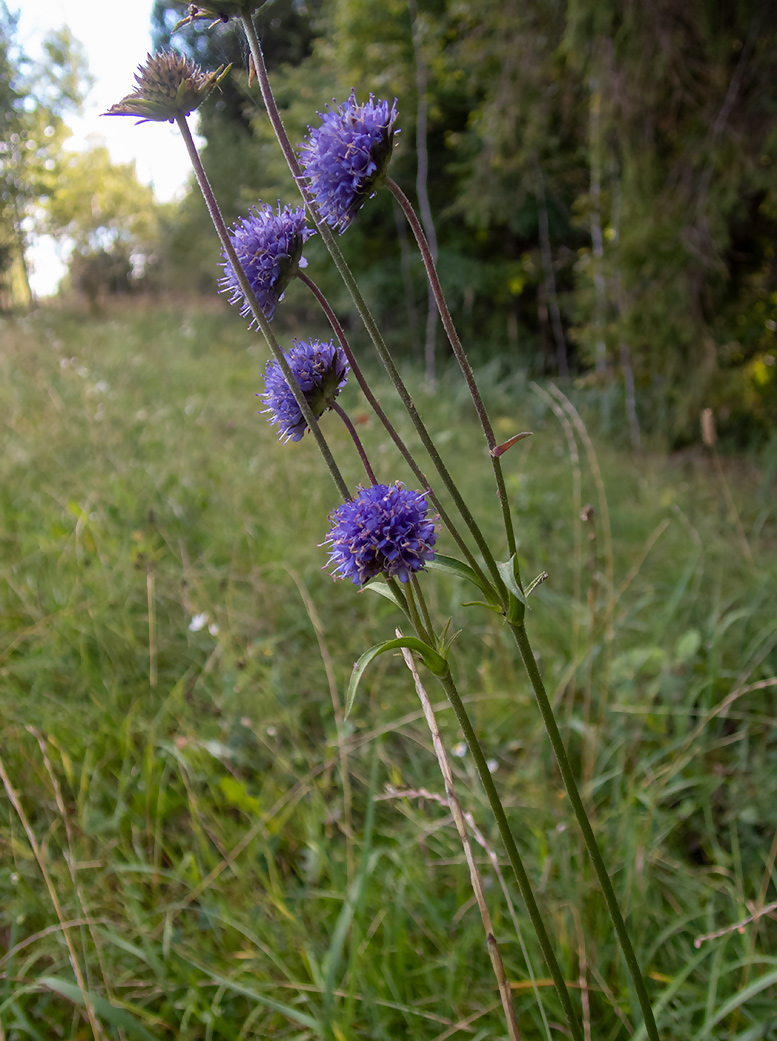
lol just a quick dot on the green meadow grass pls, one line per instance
(183, 804)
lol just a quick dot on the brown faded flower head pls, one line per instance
(168, 85)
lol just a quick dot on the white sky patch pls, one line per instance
(116, 38)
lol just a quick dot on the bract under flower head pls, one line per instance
(168, 86)
(384, 530)
(321, 369)
(269, 247)
(346, 157)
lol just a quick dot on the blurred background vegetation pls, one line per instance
(220, 846)
(600, 178)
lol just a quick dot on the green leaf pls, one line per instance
(383, 589)
(452, 566)
(292, 1014)
(236, 794)
(735, 1002)
(117, 1017)
(430, 657)
(482, 603)
(508, 569)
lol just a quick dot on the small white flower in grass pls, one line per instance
(198, 622)
(492, 765)
(459, 750)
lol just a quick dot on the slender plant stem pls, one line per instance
(396, 587)
(522, 878)
(356, 440)
(447, 681)
(424, 633)
(524, 648)
(361, 306)
(422, 603)
(388, 425)
(256, 311)
(458, 350)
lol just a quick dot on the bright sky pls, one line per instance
(116, 39)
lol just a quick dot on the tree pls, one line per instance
(35, 98)
(600, 176)
(107, 215)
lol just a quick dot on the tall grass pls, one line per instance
(223, 857)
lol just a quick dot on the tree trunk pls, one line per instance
(425, 210)
(550, 277)
(597, 242)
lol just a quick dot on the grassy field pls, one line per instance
(188, 825)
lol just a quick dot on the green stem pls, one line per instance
(524, 648)
(424, 633)
(422, 603)
(361, 306)
(458, 350)
(388, 425)
(522, 878)
(356, 440)
(396, 588)
(256, 311)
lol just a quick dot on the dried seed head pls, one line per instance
(168, 86)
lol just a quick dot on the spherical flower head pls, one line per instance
(321, 370)
(346, 158)
(168, 86)
(269, 247)
(384, 530)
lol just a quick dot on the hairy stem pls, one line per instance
(458, 351)
(388, 425)
(422, 604)
(256, 311)
(524, 648)
(356, 440)
(521, 876)
(419, 626)
(361, 306)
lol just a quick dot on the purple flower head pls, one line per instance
(321, 369)
(383, 531)
(269, 248)
(346, 158)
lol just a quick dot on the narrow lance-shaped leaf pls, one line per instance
(429, 656)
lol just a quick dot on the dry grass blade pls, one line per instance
(13, 798)
(461, 826)
(72, 859)
(737, 926)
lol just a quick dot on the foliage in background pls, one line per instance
(35, 100)
(109, 219)
(601, 181)
(229, 873)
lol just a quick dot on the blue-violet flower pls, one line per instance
(321, 369)
(346, 157)
(383, 531)
(269, 248)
